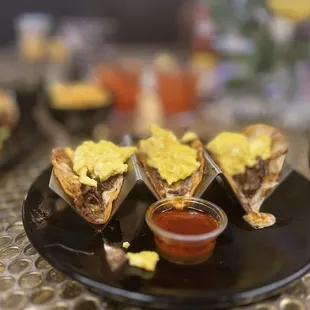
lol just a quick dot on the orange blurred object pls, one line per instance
(177, 90)
(123, 80)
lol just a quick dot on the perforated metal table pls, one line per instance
(29, 282)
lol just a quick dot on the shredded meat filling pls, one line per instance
(173, 190)
(252, 178)
(93, 195)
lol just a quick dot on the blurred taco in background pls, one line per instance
(9, 116)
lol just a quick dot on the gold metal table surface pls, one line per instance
(29, 282)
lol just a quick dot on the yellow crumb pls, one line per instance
(126, 244)
(146, 260)
(189, 136)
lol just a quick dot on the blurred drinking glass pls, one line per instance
(85, 39)
(177, 89)
(122, 79)
(32, 30)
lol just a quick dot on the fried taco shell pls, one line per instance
(92, 203)
(184, 187)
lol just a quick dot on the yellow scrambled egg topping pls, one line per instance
(146, 260)
(189, 136)
(235, 152)
(100, 160)
(173, 160)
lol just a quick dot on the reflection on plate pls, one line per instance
(247, 265)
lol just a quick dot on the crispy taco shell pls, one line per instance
(92, 203)
(273, 166)
(185, 187)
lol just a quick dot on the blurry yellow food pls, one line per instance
(126, 244)
(235, 152)
(146, 260)
(78, 96)
(296, 10)
(100, 160)
(173, 160)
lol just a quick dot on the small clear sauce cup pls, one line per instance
(185, 229)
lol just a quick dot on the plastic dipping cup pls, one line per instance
(185, 229)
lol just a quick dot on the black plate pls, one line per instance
(24, 139)
(247, 265)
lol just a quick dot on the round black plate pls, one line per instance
(247, 265)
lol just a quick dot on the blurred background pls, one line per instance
(104, 68)
(98, 69)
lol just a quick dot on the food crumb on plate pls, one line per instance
(126, 244)
(146, 260)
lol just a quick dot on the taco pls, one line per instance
(252, 162)
(92, 176)
(174, 167)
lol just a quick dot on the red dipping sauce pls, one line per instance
(187, 235)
